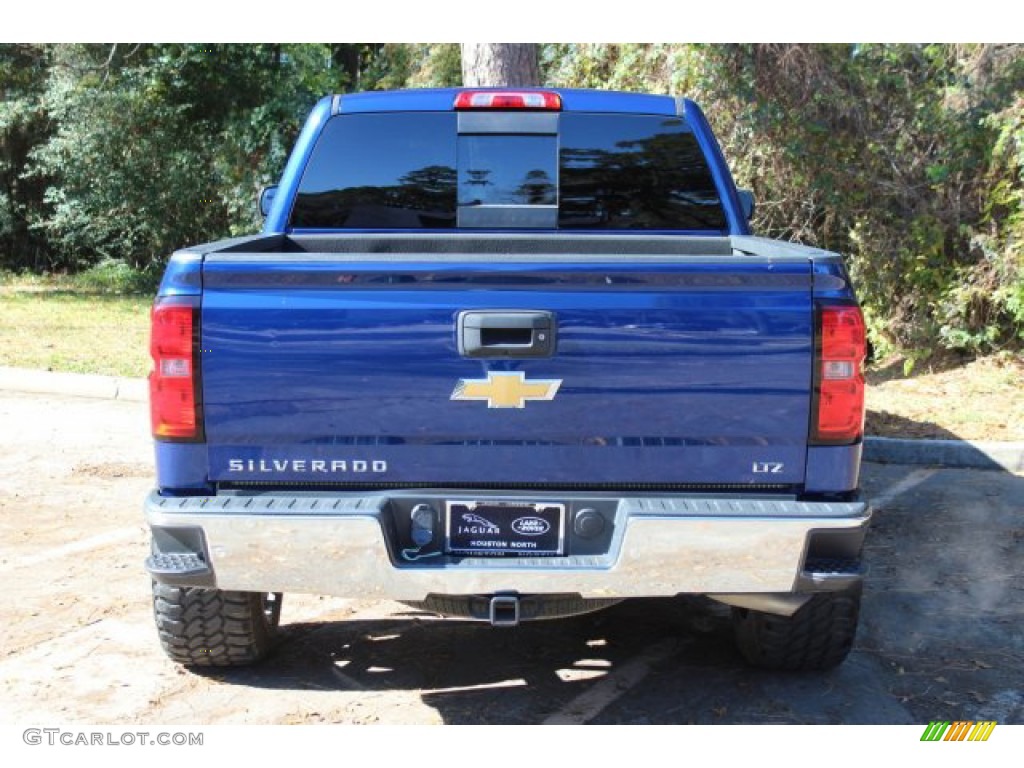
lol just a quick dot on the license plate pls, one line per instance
(482, 528)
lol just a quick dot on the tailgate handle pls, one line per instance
(507, 334)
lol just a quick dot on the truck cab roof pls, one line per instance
(443, 99)
(512, 119)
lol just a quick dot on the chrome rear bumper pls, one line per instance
(344, 544)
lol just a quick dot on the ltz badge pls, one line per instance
(506, 389)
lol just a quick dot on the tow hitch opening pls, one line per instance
(504, 611)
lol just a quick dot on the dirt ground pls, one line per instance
(949, 398)
(941, 635)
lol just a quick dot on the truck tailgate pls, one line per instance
(668, 372)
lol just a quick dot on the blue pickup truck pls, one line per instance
(507, 355)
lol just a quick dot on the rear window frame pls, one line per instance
(713, 183)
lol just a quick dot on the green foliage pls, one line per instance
(116, 277)
(906, 158)
(123, 153)
(157, 147)
(23, 123)
(413, 65)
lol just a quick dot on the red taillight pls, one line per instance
(172, 383)
(508, 100)
(839, 380)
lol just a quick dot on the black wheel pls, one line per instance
(214, 628)
(819, 636)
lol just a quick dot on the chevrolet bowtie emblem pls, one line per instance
(506, 390)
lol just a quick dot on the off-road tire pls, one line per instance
(819, 636)
(214, 628)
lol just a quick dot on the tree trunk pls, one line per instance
(500, 64)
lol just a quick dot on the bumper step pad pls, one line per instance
(180, 568)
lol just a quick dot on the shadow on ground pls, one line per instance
(882, 422)
(895, 369)
(474, 673)
(954, 451)
(644, 661)
(944, 602)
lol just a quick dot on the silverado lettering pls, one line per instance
(304, 465)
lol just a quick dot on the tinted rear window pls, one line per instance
(634, 172)
(387, 171)
(413, 171)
